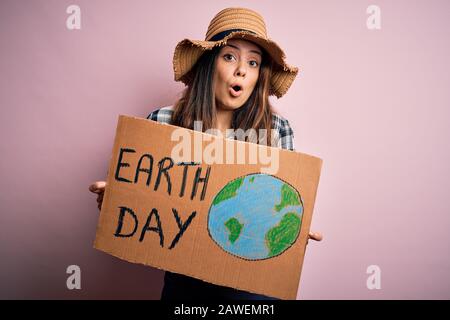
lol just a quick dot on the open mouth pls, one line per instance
(236, 90)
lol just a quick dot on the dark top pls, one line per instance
(180, 287)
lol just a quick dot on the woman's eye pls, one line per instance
(228, 57)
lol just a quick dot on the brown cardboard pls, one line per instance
(197, 252)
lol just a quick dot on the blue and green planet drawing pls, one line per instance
(255, 217)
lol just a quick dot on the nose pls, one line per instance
(241, 70)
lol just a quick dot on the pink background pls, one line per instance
(374, 104)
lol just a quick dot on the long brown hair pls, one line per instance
(198, 100)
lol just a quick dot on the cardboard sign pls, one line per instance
(229, 224)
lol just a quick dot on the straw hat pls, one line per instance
(234, 23)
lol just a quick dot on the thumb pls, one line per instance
(97, 187)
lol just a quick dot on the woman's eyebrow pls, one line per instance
(254, 51)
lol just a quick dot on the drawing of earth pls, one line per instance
(254, 217)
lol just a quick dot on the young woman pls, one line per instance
(229, 78)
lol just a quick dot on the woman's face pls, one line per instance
(237, 70)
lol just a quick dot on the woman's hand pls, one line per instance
(98, 187)
(316, 236)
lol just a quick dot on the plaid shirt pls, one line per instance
(285, 134)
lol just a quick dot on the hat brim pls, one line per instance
(188, 51)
